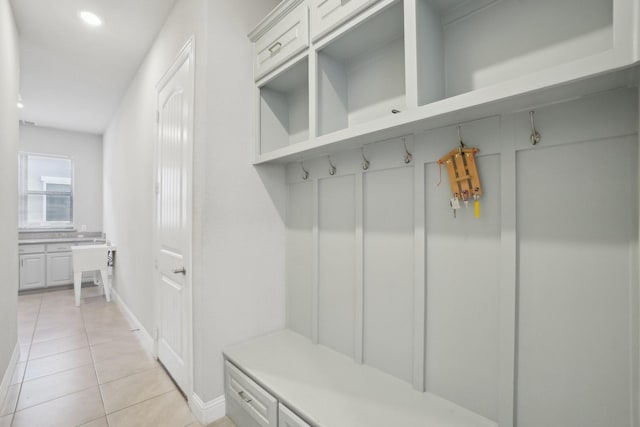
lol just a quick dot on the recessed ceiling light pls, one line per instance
(90, 18)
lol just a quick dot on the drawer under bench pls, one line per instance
(250, 405)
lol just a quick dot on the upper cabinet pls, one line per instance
(337, 74)
(328, 14)
(286, 34)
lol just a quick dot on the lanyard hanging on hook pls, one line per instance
(463, 176)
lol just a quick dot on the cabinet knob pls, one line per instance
(275, 48)
(244, 397)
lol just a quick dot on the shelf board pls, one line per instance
(573, 80)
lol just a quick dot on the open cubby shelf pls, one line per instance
(284, 108)
(402, 66)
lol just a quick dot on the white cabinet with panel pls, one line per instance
(274, 44)
(248, 404)
(328, 14)
(49, 264)
(286, 418)
(376, 68)
(59, 268)
(32, 271)
(59, 264)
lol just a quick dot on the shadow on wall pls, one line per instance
(273, 179)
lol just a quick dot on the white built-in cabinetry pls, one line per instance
(44, 265)
(286, 418)
(526, 316)
(333, 74)
(32, 267)
(59, 264)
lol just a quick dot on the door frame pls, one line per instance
(187, 52)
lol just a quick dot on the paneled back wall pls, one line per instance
(527, 315)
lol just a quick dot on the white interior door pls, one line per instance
(173, 213)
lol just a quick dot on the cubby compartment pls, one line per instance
(361, 74)
(284, 108)
(467, 46)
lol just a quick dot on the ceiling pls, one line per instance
(73, 76)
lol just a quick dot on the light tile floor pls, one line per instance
(85, 367)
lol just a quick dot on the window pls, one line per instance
(45, 192)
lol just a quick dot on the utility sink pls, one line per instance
(90, 258)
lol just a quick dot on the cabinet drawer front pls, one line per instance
(285, 39)
(30, 249)
(327, 14)
(251, 397)
(286, 418)
(59, 247)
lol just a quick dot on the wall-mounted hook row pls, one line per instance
(535, 135)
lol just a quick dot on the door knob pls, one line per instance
(180, 270)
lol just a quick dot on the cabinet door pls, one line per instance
(328, 14)
(286, 418)
(59, 269)
(285, 39)
(32, 269)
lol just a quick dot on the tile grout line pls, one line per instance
(93, 363)
(26, 363)
(95, 372)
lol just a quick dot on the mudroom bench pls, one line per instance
(284, 380)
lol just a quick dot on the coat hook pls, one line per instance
(460, 139)
(365, 162)
(407, 155)
(305, 173)
(535, 136)
(332, 168)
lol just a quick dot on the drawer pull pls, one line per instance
(244, 396)
(275, 48)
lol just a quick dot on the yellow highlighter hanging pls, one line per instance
(476, 205)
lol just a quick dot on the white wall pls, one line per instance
(238, 225)
(546, 277)
(240, 290)
(86, 152)
(128, 162)
(9, 78)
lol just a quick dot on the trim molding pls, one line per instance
(145, 338)
(8, 373)
(207, 412)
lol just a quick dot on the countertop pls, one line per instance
(61, 240)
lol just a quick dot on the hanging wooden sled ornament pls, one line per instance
(463, 176)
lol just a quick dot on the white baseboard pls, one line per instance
(145, 337)
(8, 373)
(207, 412)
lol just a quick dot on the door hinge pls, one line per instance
(157, 188)
(157, 116)
(156, 334)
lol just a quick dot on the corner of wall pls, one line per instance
(9, 83)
